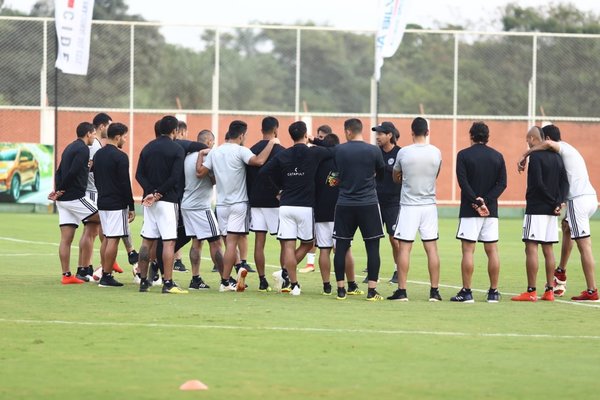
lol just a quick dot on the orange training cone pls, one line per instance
(193, 385)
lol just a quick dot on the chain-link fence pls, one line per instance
(139, 71)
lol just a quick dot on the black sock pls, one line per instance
(560, 270)
(261, 277)
(67, 274)
(372, 290)
(244, 262)
(168, 282)
(143, 280)
(548, 288)
(195, 277)
(493, 289)
(294, 284)
(531, 289)
(467, 290)
(284, 273)
(225, 282)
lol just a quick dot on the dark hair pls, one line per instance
(325, 129)
(181, 125)
(331, 140)
(84, 128)
(236, 129)
(480, 133)
(419, 126)
(101, 119)
(551, 132)
(203, 135)
(353, 125)
(157, 128)
(168, 124)
(269, 123)
(297, 130)
(116, 129)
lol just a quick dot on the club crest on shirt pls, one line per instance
(333, 179)
(391, 161)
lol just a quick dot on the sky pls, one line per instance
(345, 14)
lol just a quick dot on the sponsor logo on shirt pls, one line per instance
(295, 172)
(333, 179)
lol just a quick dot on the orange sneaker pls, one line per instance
(526, 296)
(548, 295)
(587, 296)
(69, 280)
(117, 269)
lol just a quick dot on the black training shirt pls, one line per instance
(547, 183)
(327, 183)
(388, 191)
(72, 173)
(111, 174)
(261, 190)
(358, 163)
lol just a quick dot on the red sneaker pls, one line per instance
(117, 269)
(526, 296)
(69, 280)
(548, 295)
(560, 277)
(587, 296)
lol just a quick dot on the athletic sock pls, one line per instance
(67, 274)
(224, 282)
(467, 290)
(372, 290)
(294, 284)
(531, 289)
(560, 270)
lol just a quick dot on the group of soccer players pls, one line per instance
(317, 193)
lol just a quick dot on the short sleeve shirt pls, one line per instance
(198, 192)
(420, 165)
(228, 163)
(577, 174)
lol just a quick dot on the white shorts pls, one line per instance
(202, 224)
(115, 223)
(92, 195)
(423, 219)
(72, 212)
(324, 235)
(540, 228)
(579, 211)
(263, 219)
(160, 221)
(233, 218)
(478, 229)
(296, 223)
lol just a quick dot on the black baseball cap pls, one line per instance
(386, 127)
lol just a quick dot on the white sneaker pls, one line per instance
(278, 280)
(241, 279)
(296, 291)
(228, 288)
(157, 282)
(136, 279)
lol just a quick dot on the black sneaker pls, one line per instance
(493, 296)
(152, 270)
(399, 295)
(215, 269)
(179, 267)
(463, 296)
(90, 270)
(145, 285)
(263, 286)
(327, 289)
(286, 287)
(372, 295)
(434, 295)
(341, 293)
(197, 284)
(133, 257)
(82, 274)
(247, 266)
(108, 280)
(394, 278)
(366, 280)
(171, 287)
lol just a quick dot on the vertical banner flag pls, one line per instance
(73, 28)
(391, 28)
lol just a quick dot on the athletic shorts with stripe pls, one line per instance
(160, 221)
(324, 235)
(540, 228)
(349, 218)
(73, 212)
(413, 219)
(264, 219)
(478, 229)
(233, 218)
(579, 211)
(296, 223)
(201, 224)
(92, 195)
(115, 223)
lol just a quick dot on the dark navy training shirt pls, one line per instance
(388, 192)
(72, 173)
(261, 190)
(111, 175)
(358, 163)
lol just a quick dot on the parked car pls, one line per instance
(18, 169)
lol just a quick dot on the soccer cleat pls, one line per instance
(526, 296)
(434, 295)
(493, 296)
(307, 269)
(398, 295)
(241, 280)
(559, 282)
(230, 287)
(82, 274)
(247, 267)
(372, 295)
(548, 295)
(463, 297)
(145, 285)
(286, 286)
(97, 274)
(353, 290)
(394, 278)
(296, 290)
(70, 280)
(326, 289)
(341, 293)
(179, 267)
(108, 280)
(263, 286)
(587, 296)
(133, 257)
(173, 289)
(117, 268)
(197, 284)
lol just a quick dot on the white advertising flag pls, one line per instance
(390, 31)
(73, 28)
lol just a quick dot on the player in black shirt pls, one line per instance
(159, 172)
(388, 191)
(70, 182)
(481, 175)
(264, 204)
(547, 189)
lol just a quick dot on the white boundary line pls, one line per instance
(302, 329)
(581, 304)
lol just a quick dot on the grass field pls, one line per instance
(81, 341)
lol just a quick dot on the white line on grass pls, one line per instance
(359, 276)
(302, 329)
(27, 254)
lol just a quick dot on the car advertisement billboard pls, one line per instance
(26, 171)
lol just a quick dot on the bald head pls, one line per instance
(534, 136)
